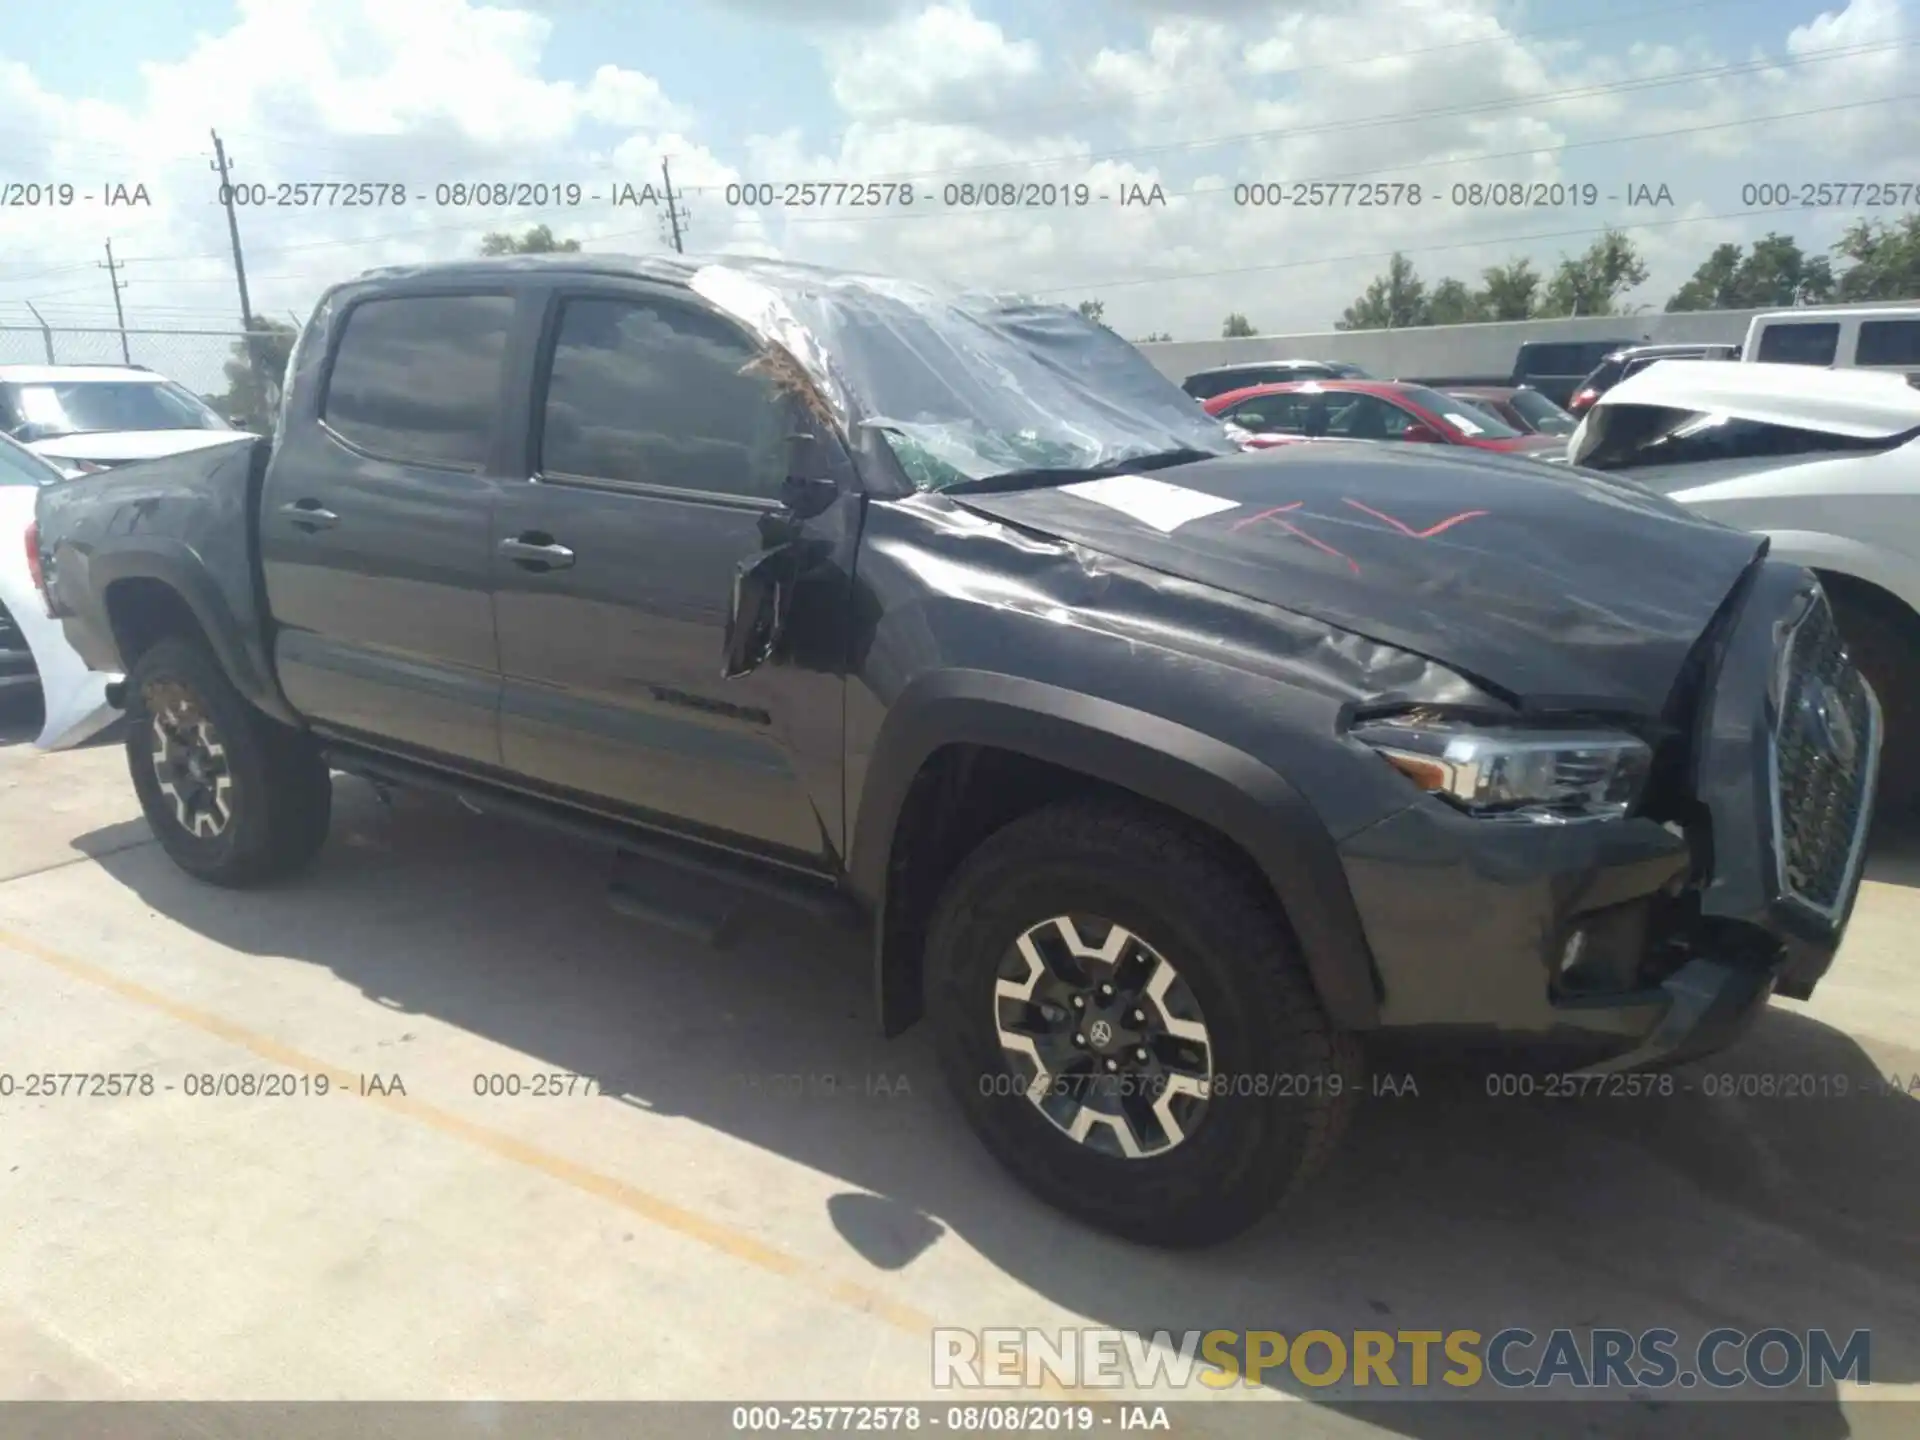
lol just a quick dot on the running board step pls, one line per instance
(675, 898)
(711, 899)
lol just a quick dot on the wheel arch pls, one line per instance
(161, 593)
(1038, 742)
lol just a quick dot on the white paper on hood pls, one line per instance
(1152, 502)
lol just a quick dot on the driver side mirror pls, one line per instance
(1418, 434)
(757, 611)
(810, 486)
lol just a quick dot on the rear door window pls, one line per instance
(1799, 342)
(1888, 342)
(418, 378)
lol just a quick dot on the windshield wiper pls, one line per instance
(1039, 478)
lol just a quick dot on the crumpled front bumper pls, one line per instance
(1661, 941)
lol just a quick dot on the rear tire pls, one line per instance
(1278, 1082)
(233, 796)
(1890, 661)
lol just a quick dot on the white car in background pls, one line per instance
(34, 653)
(1824, 462)
(90, 417)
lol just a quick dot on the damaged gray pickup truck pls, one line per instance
(1159, 773)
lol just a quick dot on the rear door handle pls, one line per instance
(310, 515)
(536, 551)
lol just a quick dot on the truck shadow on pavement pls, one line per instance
(1447, 1208)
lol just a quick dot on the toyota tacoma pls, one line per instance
(1161, 774)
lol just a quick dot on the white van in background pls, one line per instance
(1843, 339)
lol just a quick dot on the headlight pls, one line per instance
(1547, 776)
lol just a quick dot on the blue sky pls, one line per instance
(1140, 90)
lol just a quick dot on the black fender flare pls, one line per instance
(1214, 783)
(172, 563)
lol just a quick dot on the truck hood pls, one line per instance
(116, 447)
(1561, 589)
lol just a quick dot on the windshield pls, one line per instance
(23, 467)
(1468, 419)
(968, 387)
(1541, 413)
(74, 407)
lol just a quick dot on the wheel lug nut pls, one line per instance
(1139, 1017)
(1079, 1039)
(1106, 990)
(1079, 1002)
(1113, 1064)
(1141, 1053)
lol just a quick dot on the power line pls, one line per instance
(1182, 146)
(1290, 132)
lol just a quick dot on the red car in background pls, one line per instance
(1370, 410)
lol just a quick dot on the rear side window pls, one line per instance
(654, 393)
(417, 378)
(1807, 342)
(1888, 342)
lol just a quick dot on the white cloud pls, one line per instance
(1193, 95)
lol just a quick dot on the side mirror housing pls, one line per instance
(811, 485)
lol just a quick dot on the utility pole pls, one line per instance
(673, 208)
(219, 163)
(113, 275)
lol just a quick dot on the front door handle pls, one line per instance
(310, 515)
(536, 550)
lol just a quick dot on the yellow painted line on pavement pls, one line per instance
(688, 1223)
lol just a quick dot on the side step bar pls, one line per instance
(696, 890)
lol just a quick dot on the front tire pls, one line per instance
(1129, 1028)
(233, 796)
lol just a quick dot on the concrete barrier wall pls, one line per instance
(1449, 351)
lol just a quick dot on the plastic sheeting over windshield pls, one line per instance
(965, 386)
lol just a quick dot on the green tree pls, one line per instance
(1094, 310)
(1452, 303)
(537, 241)
(1712, 286)
(1592, 283)
(1510, 291)
(1235, 327)
(1776, 273)
(1392, 301)
(1886, 259)
(1153, 337)
(254, 372)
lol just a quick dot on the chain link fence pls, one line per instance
(238, 380)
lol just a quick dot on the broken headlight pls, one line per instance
(1548, 776)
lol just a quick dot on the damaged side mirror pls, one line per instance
(757, 611)
(810, 487)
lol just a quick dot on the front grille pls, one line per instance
(1824, 744)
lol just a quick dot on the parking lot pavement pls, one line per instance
(763, 1199)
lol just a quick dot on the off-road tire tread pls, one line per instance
(282, 789)
(1212, 882)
